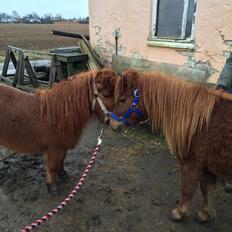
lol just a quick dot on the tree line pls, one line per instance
(33, 17)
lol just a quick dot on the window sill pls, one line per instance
(171, 44)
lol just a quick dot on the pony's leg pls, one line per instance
(54, 161)
(62, 174)
(207, 184)
(190, 177)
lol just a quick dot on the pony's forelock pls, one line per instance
(118, 88)
(126, 83)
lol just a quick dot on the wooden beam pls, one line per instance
(91, 63)
(5, 78)
(53, 71)
(21, 69)
(31, 73)
(66, 49)
(94, 54)
(31, 54)
(6, 63)
(68, 34)
(13, 59)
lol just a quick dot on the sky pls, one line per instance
(67, 8)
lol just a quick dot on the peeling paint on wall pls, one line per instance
(200, 65)
(99, 47)
(213, 34)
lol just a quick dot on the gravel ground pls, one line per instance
(132, 188)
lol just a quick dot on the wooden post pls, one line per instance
(13, 59)
(52, 75)
(59, 71)
(6, 63)
(31, 73)
(92, 63)
(19, 74)
(22, 68)
(9, 56)
(91, 51)
(70, 69)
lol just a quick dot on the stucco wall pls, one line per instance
(132, 18)
(213, 33)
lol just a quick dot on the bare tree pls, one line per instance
(48, 16)
(58, 17)
(15, 14)
(35, 15)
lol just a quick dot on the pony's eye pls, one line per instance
(122, 100)
(105, 95)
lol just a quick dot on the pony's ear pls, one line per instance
(106, 78)
(131, 75)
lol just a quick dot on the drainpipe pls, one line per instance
(116, 35)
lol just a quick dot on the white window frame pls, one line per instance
(187, 43)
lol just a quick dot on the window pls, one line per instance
(173, 20)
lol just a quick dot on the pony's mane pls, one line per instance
(177, 107)
(66, 105)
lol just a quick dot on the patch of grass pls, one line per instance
(143, 136)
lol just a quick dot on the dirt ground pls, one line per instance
(38, 37)
(132, 188)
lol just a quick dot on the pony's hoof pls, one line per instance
(228, 188)
(52, 189)
(175, 216)
(205, 216)
(172, 219)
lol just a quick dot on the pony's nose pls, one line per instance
(115, 125)
(119, 128)
(107, 121)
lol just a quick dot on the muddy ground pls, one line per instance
(132, 188)
(38, 37)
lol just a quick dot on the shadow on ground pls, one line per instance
(132, 188)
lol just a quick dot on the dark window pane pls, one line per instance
(169, 18)
(191, 9)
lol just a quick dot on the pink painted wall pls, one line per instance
(213, 32)
(133, 19)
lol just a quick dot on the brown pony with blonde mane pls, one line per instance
(197, 125)
(52, 121)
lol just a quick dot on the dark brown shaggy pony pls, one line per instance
(197, 124)
(52, 121)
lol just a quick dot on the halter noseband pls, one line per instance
(96, 98)
(132, 109)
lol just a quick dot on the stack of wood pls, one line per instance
(60, 63)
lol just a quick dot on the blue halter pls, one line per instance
(132, 109)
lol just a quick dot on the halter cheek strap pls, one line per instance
(132, 109)
(96, 98)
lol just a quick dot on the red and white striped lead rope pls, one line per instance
(71, 194)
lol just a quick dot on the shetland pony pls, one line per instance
(197, 125)
(52, 121)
